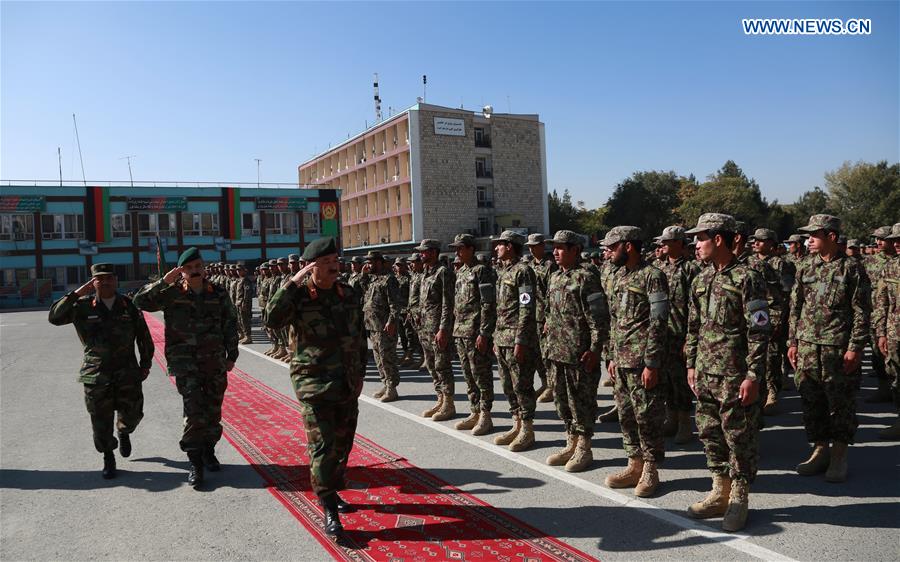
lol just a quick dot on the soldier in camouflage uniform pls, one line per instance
(728, 331)
(262, 295)
(473, 329)
(542, 267)
(201, 347)
(874, 266)
(282, 274)
(413, 319)
(516, 342)
(381, 311)
(829, 327)
(108, 325)
(327, 368)
(639, 312)
(401, 273)
(356, 274)
(796, 249)
(679, 275)
(607, 274)
(886, 324)
(436, 326)
(576, 329)
(243, 302)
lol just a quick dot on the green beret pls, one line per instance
(318, 248)
(190, 254)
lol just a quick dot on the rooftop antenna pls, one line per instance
(59, 157)
(80, 157)
(258, 160)
(424, 87)
(129, 157)
(377, 101)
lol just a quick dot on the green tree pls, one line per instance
(647, 199)
(563, 214)
(729, 191)
(864, 196)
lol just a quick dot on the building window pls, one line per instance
(281, 223)
(484, 226)
(485, 196)
(250, 224)
(482, 137)
(483, 168)
(18, 277)
(62, 227)
(121, 225)
(310, 223)
(16, 227)
(124, 271)
(151, 224)
(66, 278)
(200, 224)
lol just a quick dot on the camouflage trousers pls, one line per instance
(879, 361)
(330, 430)
(728, 430)
(518, 381)
(245, 322)
(828, 395)
(679, 397)
(438, 363)
(575, 395)
(118, 404)
(202, 395)
(893, 368)
(384, 347)
(775, 353)
(478, 370)
(540, 366)
(642, 414)
(412, 336)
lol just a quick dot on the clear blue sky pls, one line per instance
(197, 90)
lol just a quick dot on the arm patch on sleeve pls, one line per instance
(597, 304)
(488, 292)
(526, 295)
(659, 305)
(759, 315)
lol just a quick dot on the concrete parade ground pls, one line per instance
(54, 505)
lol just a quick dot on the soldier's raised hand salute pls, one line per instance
(87, 288)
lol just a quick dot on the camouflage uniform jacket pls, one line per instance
(542, 271)
(728, 324)
(403, 282)
(577, 316)
(243, 295)
(875, 263)
(516, 323)
(474, 308)
(831, 304)
(108, 336)
(412, 304)
(639, 312)
(436, 300)
(358, 281)
(775, 296)
(382, 305)
(330, 356)
(679, 276)
(886, 303)
(201, 328)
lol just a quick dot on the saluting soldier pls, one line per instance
(108, 325)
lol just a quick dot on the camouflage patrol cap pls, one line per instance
(282, 260)
(882, 232)
(293, 258)
(764, 234)
(567, 237)
(263, 265)
(273, 262)
(895, 232)
(102, 269)
(428, 244)
(320, 247)
(358, 259)
(414, 257)
(741, 227)
(623, 234)
(714, 221)
(673, 232)
(535, 239)
(462, 240)
(400, 261)
(822, 222)
(373, 255)
(509, 236)
(853, 243)
(795, 239)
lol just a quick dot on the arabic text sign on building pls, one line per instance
(22, 204)
(451, 127)
(157, 203)
(281, 203)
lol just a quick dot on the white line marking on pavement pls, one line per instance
(736, 541)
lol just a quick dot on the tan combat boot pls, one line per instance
(525, 439)
(562, 456)
(507, 438)
(546, 396)
(817, 463)
(390, 394)
(485, 424)
(246, 340)
(671, 424)
(583, 456)
(685, 433)
(270, 351)
(837, 466)
(437, 406)
(716, 503)
(468, 423)
(891, 433)
(447, 410)
(629, 477)
(736, 514)
(649, 481)
(771, 407)
(407, 357)
(381, 392)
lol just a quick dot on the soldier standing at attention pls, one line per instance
(473, 329)
(327, 368)
(243, 302)
(108, 325)
(201, 347)
(639, 311)
(542, 267)
(413, 318)
(829, 327)
(728, 331)
(381, 312)
(886, 324)
(401, 273)
(436, 315)
(516, 342)
(874, 266)
(576, 329)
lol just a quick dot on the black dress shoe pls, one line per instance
(124, 444)
(333, 525)
(342, 506)
(109, 465)
(195, 474)
(210, 461)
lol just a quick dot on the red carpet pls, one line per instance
(403, 512)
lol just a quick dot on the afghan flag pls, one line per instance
(96, 215)
(231, 213)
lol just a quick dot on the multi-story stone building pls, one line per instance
(433, 172)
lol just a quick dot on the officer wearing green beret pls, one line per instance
(201, 347)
